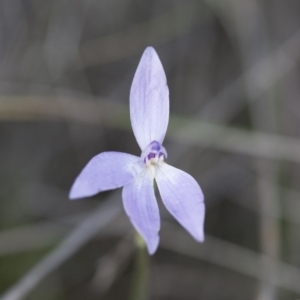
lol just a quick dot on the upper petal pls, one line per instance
(149, 100)
(105, 171)
(183, 198)
(141, 207)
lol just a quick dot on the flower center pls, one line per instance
(154, 154)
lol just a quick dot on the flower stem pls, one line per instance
(140, 276)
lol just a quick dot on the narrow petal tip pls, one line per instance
(153, 246)
(149, 50)
(199, 236)
(80, 189)
(150, 244)
(74, 195)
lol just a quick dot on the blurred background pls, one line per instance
(66, 68)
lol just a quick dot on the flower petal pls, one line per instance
(141, 207)
(105, 171)
(149, 100)
(183, 198)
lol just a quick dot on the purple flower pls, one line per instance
(181, 194)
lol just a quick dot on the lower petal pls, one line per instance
(105, 171)
(141, 206)
(183, 197)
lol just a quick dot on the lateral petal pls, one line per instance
(141, 207)
(105, 171)
(149, 100)
(183, 197)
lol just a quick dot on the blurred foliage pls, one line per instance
(66, 68)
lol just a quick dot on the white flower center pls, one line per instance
(154, 154)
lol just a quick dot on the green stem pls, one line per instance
(140, 276)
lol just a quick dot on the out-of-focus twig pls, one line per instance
(78, 238)
(284, 59)
(45, 233)
(253, 44)
(139, 284)
(229, 256)
(157, 30)
(111, 265)
(181, 129)
(40, 235)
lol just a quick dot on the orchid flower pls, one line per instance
(180, 193)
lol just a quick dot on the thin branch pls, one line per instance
(155, 31)
(181, 129)
(44, 234)
(112, 265)
(284, 59)
(78, 238)
(253, 44)
(36, 236)
(229, 256)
